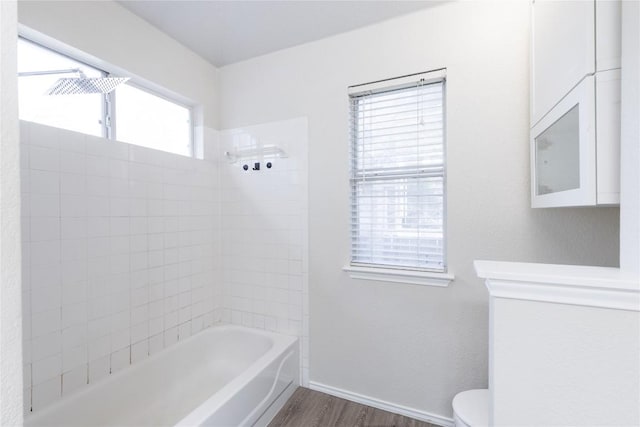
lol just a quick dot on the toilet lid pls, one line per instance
(472, 407)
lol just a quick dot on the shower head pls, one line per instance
(78, 85)
(85, 85)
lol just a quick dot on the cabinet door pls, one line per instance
(563, 50)
(608, 136)
(563, 152)
(608, 34)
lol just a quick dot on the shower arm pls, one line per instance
(44, 73)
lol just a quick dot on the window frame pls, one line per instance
(109, 100)
(385, 272)
(136, 84)
(104, 104)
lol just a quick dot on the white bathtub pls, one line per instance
(223, 376)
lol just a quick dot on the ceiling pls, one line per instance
(224, 32)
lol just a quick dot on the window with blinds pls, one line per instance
(398, 175)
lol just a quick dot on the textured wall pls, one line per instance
(412, 345)
(120, 250)
(10, 286)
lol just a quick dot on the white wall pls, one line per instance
(411, 345)
(10, 284)
(120, 251)
(264, 231)
(559, 364)
(115, 36)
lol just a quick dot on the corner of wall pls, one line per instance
(11, 395)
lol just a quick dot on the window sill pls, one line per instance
(424, 278)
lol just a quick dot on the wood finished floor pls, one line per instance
(309, 408)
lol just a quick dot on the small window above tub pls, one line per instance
(61, 91)
(146, 119)
(39, 69)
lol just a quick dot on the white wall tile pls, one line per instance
(72, 141)
(118, 187)
(46, 159)
(119, 206)
(73, 250)
(264, 250)
(44, 253)
(99, 325)
(44, 228)
(98, 247)
(118, 169)
(156, 343)
(45, 322)
(75, 379)
(170, 336)
(139, 351)
(73, 205)
(139, 261)
(46, 393)
(27, 400)
(45, 298)
(99, 368)
(120, 359)
(46, 346)
(156, 325)
(98, 207)
(119, 226)
(118, 254)
(46, 369)
(96, 146)
(99, 347)
(74, 314)
(74, 357)
(73, 272)
(97, 185)
(97, 267)
(43, 182)
(138, 225)
(45, 275)
(74, 336)
(138, 243)
(43, 136)
(140, 332)
(73, 163)
(74, 228)
(71, 183)
(118, 150)
(98, 166)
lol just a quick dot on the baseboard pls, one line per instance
(381, 404)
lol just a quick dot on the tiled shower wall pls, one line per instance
(264, 230)
(120, 256)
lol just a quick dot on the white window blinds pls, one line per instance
(397, 176)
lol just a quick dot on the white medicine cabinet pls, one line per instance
(575, 103)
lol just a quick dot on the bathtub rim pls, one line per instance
(281, 346)
(278, 340)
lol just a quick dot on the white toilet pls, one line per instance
(471, 408)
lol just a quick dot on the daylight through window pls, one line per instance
(128, 114)
(398, 175)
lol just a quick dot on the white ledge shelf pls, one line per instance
(424, 278)
(266, 152)
(602, 287)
